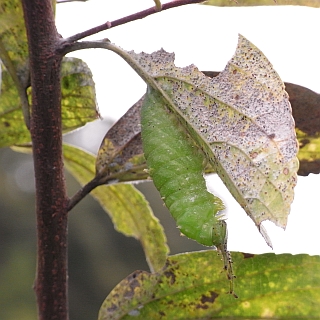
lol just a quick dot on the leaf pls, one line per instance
(126, 206)
(78, 91)
(307, 124)
(301, 99)
(120, 156)
(12, 126)
(240, 3)
(241, 120)
(14, 52)
(307, 128)
(309, 153)
(13, 36)
(189, 287)
(78, 103)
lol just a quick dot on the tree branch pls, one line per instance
(130, 18)
(46, 133)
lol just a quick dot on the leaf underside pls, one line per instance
(241, 120)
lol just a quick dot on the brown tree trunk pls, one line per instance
(51, 198)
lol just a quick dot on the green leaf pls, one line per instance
(241, 120)
(126, 206)
(240, 3)
(191, 286)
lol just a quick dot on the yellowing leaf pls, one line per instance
(126, 206)
(78, 103)
(78, 91)
(309, 153)
(191, 286)
(241, 120)
(13, 38)
(12, 126)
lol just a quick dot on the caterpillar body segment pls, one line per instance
(176, 166)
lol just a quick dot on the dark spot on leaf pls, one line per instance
(271, 136)
(253, 155)
(6, 124)
(171, 275)
(171, 263)
(303, 142)
(247, 255)
(202, 306)
(209, 299)
(134, 284)
(113, 308)
(162, 314)
(66, 83)
(135, 274)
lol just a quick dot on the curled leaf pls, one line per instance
(120, 155)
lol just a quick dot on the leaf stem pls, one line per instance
(81, 193)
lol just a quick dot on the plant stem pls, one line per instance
(51, 198)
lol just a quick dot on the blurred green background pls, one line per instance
(99, 257)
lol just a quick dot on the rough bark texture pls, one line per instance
(51, 198)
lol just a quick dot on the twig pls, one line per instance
(132, 17)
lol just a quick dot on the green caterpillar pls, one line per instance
(176, 166)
